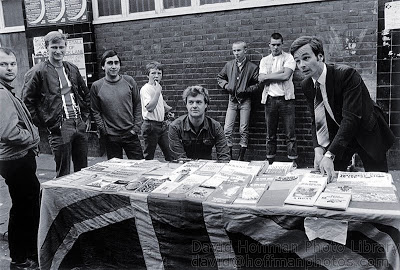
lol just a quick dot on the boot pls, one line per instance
(230, 151)
(241, 153)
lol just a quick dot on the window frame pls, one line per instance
(195, 8)
(10, 29)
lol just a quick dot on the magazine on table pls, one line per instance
(307, 190)
(279, 168)
(336, 201)
(225, 193)
(249, 195)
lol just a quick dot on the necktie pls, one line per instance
(320, 118)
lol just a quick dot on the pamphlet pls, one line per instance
(337, 201)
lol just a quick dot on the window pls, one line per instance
(176, 3)
(141, 5)
(11, 19)
(205, 2)
(106, 11)
(110, 7)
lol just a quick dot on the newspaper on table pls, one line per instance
(372, 179)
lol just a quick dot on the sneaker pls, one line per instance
(26, 265)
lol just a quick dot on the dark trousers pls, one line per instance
(69, 142)
(155, 133)
(370, 164)
(129, 142)
(24, 188)
(279, 107)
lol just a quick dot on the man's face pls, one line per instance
(155, 75)
(8, 67)
(56, 50)
(308, 63)
(275, 46)
(239, 51)
(196, 106)
(112, 66)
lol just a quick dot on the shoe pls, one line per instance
(241, 153)
(26, 265)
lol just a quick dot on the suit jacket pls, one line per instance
(358, 116)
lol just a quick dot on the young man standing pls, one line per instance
(154, 128)
(239, 78)
(276, 73)
(194, 135)
(57, 98)
(19, 139)
(345, 120)
(115, 103)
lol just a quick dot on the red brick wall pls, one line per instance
(194, 49)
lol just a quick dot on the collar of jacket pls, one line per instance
(187, 127)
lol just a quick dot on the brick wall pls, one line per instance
(194, 49)
(388, 93)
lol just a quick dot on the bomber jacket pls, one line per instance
(17, 133)
(239, 84)
(42, 94)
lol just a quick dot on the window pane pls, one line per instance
(12, 11)
(141, 5)
(204, 2)
(109, 7)
(176, 3)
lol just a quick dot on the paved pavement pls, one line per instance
(45, 172)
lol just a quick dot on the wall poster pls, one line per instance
(51, 12)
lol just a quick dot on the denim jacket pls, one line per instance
(186, 143)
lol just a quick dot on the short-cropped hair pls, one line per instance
(195, 90)
(154, 65)
(7, 51)
(54, 36)
(107, 54)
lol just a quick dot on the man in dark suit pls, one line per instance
(349, 121)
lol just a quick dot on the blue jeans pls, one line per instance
(69, 142)
(275, 107)
(155, 133)
(244, 109)
(128, 142)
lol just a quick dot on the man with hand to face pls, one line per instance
(115, 102)
(345, 120)
(154, 108)
(57, 98)
(194, 135)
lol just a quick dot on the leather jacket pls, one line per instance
(42, 94)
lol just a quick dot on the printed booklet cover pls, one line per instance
(337, 201)
(307, 190)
